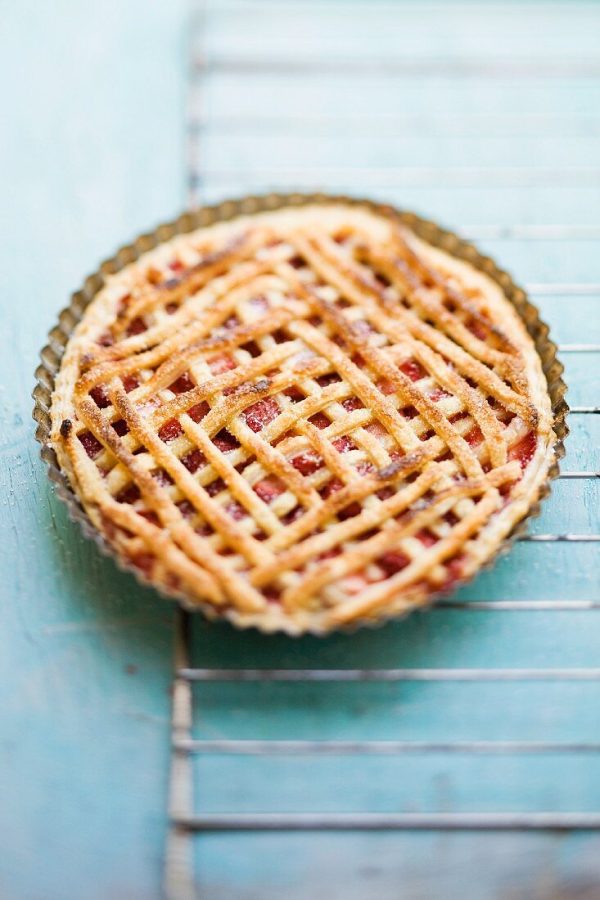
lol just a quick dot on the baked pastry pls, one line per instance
(303, 419)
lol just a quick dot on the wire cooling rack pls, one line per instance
(187, 820)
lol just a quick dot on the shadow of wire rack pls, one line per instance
(243, 55)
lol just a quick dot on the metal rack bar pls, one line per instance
(178, 857)
(437, 821)
(579, 348)
(184, 820)
(516, 605)
(579, 475)
(386, 675)
(434, 67)
(558, 538)
(376, 748)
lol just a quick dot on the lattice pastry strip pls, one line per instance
(303, 418)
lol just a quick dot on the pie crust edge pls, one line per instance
(101, 311)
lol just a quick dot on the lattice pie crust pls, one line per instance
(303, 419)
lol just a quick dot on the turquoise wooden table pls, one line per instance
(476, 744)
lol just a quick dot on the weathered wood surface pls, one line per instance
(91, 153)
(480, 115)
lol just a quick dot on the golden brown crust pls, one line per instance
(303, 418)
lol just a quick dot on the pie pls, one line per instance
(303, 419)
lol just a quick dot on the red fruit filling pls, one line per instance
(474, 436)
(121, 427)
(295, 394)
(182, 384)
(524, 451)
(198, 411)
(236, 511)
(269, 488)
(455, 573)
(307, 463)
(393, 561)
(129, 494)
(225, 441)
(409, 412)
(150, 515)
(130, 382)
(330, 554)
(185, 508)
(451, 518)
(352, 403)
(100, 397)
(170, 430)
(91, 444)
(252, 348)
(193, 460)
(413, 369)
(326, 380)
(293, 514)
(426, 537)
(330, 488)
(215, 487)
(136, 326)
(320, 420)
(273, 594)
(163, 478)
(344, 444)
(477, 328)
(260, 414)
(348, 512)
(143, 562)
